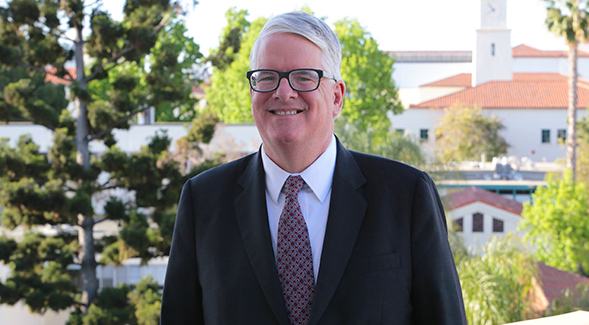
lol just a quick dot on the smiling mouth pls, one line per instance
(292, 112)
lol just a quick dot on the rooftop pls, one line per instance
(526, 90)
(475, 194)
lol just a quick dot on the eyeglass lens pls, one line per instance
(300, 80)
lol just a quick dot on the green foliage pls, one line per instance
(202, 128)
(228, 96)
(393, 145)
(26, 96)
(557, 224)
(568, 19)
(368, 74)
(465, 133)
(230, 39)
(110, 307)
(497, 286)
(147, 301)
(39, 275)
(583, 151)
(171, 74)
(122, 305)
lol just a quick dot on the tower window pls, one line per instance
(492, 49)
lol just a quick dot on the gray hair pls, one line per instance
(309, 27)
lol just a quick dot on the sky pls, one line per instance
(397, 25)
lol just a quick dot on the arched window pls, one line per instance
(497, 225)
(477, 222)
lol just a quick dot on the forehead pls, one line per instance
(286, 51)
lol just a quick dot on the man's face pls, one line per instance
(286, 117)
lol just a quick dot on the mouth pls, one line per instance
(290, 112)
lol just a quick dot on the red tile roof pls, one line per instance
(555, 281)
(476, 194)
(459, 80)
(524, 51)
(49, 77)
(526, 90)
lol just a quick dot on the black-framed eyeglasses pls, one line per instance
(302, 80)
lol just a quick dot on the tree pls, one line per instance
(497, 285)
(557, 224)
(583, 152)
(370, 89)
(122, 305)
(57, 188)
(230, 39)
(393, 145)
(465, 133)
(228, 96)
(568, 19)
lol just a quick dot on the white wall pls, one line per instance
(413, 75)
(19, 314)
(493, 56)
(131, 272)
(523, 129)
(242, 136)
(537, 65)
(550, 65)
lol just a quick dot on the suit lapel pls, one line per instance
(252, 217)
(346, 212)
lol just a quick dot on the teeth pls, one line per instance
(285, 112)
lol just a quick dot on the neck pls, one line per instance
(295, 158)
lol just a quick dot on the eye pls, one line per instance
(266, 77)
(304, 77)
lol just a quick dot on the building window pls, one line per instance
(400, 131)
(497, 225)
(477, 222)
(492, 49)
(423, 135)
(562, 134)
(545, 136)
(458, 224)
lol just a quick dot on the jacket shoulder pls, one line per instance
(227, 171)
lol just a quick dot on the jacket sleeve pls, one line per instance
(182, 297)
(436, 292)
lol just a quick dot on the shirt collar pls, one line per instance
(318, 176)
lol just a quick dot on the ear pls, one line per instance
(338, 97)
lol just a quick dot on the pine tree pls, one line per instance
(122, 68)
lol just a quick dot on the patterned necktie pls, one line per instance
(293, 255)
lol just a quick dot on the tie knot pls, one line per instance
(293, 185)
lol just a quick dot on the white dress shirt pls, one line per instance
(314, 197)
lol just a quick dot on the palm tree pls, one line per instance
(568, 18)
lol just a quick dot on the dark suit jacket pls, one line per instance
(386, 257)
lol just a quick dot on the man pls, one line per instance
(305, 231)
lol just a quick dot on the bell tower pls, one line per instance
(492, 58)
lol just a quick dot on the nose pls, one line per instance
(284, 91)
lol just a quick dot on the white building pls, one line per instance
(525, 88)
(479, 215)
